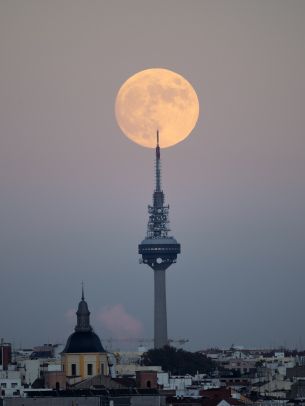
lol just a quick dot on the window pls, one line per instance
(14, 385)
(102, 369)
(73, 369)
(3, 385)
(89, 369)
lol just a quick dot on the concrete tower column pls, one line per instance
(160, 327)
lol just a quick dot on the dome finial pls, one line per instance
(83, 295)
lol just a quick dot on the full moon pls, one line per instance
(156, 99)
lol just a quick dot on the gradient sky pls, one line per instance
(74, 189)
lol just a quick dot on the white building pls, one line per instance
(10, 384)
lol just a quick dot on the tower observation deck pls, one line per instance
(159, 251)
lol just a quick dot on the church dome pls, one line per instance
(83, 342)
(84, 339)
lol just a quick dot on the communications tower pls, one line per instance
(159, 251)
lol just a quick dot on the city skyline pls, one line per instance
(74, 190)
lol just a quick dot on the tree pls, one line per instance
(177, 361)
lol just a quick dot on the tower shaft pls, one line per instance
(160, 316)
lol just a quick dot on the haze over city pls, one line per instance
(75, 190)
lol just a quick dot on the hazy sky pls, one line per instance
(75, 190)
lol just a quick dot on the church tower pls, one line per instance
(84, 355)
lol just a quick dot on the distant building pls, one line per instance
(5, 355)
(146, 379)
(10, 383)
(84, 355)
(297, 391)
(296, 372)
